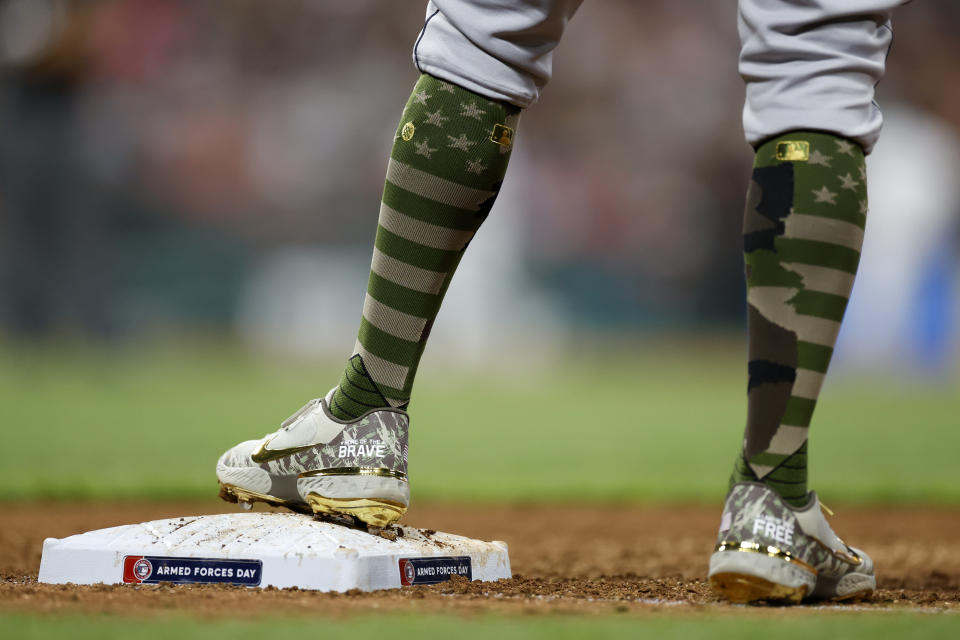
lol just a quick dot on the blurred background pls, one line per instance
(201, 178)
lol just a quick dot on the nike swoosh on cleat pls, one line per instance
(266, 455)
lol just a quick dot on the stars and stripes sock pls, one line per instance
(802, 233)
(448, 160)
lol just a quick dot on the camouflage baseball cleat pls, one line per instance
(768, 550)
(318, 464)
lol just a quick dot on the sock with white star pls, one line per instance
(802, 233)
(448, 161)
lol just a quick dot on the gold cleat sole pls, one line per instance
(855, 597)
(370, 511)
(741, 588)
(235, 494)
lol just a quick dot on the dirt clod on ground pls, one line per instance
(564, 558)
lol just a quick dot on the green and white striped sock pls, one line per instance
(803, 231)
(448, 161)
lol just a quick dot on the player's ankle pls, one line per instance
(357, 392)
(792, 488)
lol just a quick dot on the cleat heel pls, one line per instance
(741, 588)
(371, 511)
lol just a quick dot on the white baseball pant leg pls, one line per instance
(808, 64)
(813, 64)
(500, 49)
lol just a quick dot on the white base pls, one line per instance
(267, 549)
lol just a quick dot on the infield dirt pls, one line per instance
(593, 559)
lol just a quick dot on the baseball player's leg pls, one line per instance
(346, 454)
(449, 158)
(481, 62)
(810, 70)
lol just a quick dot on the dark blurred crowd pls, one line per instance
(152, 150)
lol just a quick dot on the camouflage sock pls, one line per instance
(802, 233)
(449, 157)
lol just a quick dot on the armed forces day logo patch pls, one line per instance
(434, 569)
(154, 569)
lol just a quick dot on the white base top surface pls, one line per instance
(267, 549)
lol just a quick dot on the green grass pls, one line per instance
(658, 423)
(663, 626)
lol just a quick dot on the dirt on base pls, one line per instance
(590, 559)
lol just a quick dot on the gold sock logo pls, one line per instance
(793, 151)
(502, 135)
